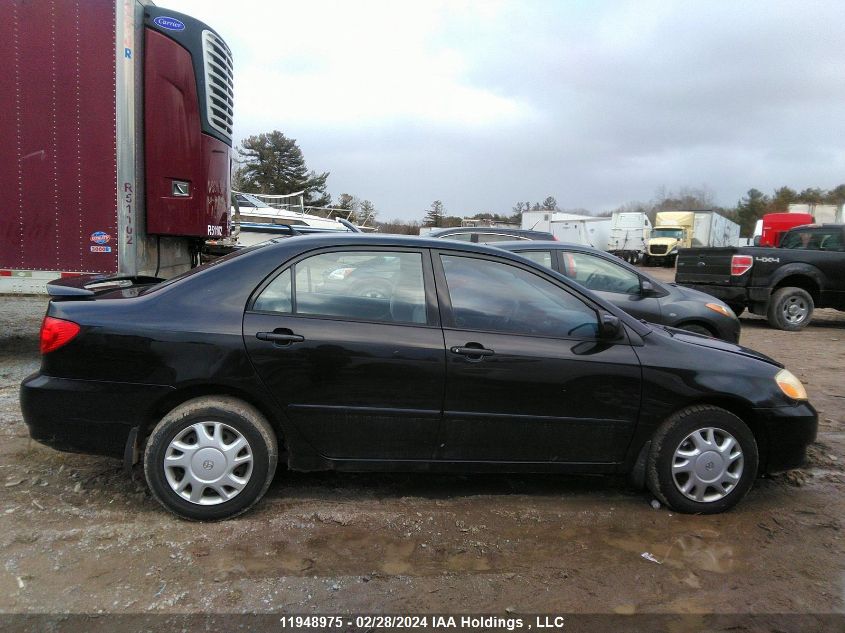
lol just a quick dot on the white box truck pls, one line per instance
(629, 231)
(674, 230)
(822, 213)
(570, 227)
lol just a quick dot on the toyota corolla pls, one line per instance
(467, 359)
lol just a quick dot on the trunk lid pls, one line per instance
(705, 266)
(90, 286)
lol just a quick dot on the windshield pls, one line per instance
(247, 200)
(675, 233)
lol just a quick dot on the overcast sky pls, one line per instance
(483, 104)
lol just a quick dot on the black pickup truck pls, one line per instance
(784, 284)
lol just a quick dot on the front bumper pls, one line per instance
(728, 294)
(789, 431)
(732, 295)
(86, 416)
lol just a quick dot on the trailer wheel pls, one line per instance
(790, 309)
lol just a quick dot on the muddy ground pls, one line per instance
(78, 535)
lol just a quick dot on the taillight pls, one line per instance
(741, 264)
(55, 333)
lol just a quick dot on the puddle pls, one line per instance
(354, 550)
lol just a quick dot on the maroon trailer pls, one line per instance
(118, 122)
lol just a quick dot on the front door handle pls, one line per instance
(472, 351)
(280, 337)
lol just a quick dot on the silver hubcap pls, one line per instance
(795, 310)
(707, 465)
(208, 463)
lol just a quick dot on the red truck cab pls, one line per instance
(776, 224)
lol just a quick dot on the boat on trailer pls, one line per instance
(260, 221)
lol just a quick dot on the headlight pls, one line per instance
(723, 310)
(790, 385)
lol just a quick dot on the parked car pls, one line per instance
(477, 360)
(784, 284)
(488, 234)
(632, 290)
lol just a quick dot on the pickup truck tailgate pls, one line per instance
(705, 266)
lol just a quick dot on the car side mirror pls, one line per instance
(646, 288)
(609, 325)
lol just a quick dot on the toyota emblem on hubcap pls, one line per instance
(709, 466)
(208, 464)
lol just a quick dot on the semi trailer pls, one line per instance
(118, 127)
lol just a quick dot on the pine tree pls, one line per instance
(274, 164)
(434, 216)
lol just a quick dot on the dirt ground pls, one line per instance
(78, 535)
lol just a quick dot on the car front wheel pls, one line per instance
(210, 458)
(703, 460)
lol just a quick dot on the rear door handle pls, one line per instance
(472, 351)
(281, 338)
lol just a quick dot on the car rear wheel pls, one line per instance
(790, 309)
(210, 458)
(703, 460)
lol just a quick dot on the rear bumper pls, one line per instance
(789, 431)
(86, 416)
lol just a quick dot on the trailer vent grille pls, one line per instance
(219, 83)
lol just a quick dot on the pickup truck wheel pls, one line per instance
(703, 460)
(790, 309)
(210, 458)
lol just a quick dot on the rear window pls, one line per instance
(814, 240)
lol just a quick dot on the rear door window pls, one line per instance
(358, 286)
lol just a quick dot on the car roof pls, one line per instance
(547, 244)
(267, 257)
(486, 229)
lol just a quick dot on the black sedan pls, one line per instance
(475, 359)
(635, 292)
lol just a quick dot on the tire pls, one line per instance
(238, 485)
(790, 309)
(738, 308)
(690, 430)
(695, 328)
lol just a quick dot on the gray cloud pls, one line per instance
(612, 101)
